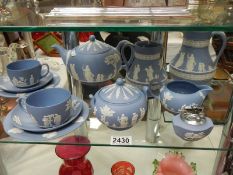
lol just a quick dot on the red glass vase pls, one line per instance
(75, 162)
(122, 168)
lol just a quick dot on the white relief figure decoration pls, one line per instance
(136, 72)
(94, 110)
(150, 73)
(17, 120)
(167, 96)
(81, 119)
(73, 71)
(100, 78)
(57, 120)
(20, 82)
(15, 131)
(113, 60)
(105, 113)
(134, 119)
(201, 67)
(194, 136)
(142, 113)
(69, 105)
(51, 120)
(123, 120)
(190, 63)
(88, 75)
(49, 135)
(180, 60)
(32, 81)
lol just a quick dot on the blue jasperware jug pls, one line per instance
(194, 62)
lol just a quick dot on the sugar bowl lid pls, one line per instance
(68, 150)
(120, 93)
(93, 46)
(193, 115)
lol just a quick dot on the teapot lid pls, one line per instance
(193, 115)
(93, 46)
(120, 93)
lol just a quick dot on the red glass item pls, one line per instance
(75, 162)
(123, 168)
(84, 36)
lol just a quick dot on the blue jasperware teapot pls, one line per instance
(93, 61)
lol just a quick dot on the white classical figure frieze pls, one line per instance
(142, 112)
(73, 71)
(20, 82)
(123, 120)
(69, 105)
(106, 112)
(15, 131)
(32, 80)
(89, 76)
(134, 118)
(150, 73)
(180, 60)
(136, 72)
(201, 67)
(194, 136)
(17, 120)
(51, 120)
(49, 135)
(99, 77)
(191, 63)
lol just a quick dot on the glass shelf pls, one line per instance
(100, 135)
(202, 17)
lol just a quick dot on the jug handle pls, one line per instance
(224, 43)
(126, 63)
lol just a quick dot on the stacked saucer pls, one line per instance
(23, 124)
(26, 76)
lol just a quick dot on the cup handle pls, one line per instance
(47, 70)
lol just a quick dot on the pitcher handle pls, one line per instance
(126, 63)
(224, 43)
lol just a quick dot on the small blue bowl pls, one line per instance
(50, 107)
(26, 73)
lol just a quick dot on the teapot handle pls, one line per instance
(126, 63)
(224, 42)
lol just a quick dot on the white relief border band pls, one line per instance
(196, 44)
(190, 76)
(147, 57)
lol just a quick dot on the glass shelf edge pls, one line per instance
(131, 28)
(130, 146)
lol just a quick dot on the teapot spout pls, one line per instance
(205, 89)
(62, 52)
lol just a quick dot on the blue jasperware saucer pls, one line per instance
(52, 83)
(21, 134)
(6, 84)
(21, 119)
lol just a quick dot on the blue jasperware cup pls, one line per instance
(26, 73)
(49, 107)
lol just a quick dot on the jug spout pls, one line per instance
(205, 89)
(62, 52)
